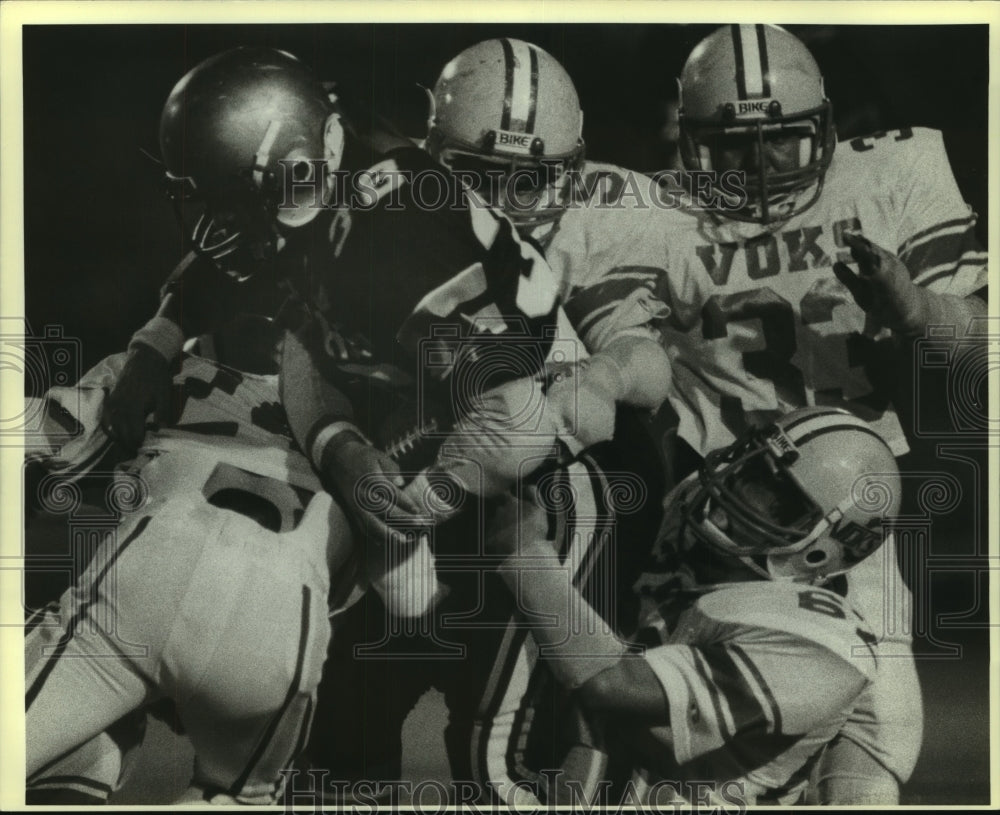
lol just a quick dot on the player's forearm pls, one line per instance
(319, 416)
(163, 333)
(581, 654)
(544, 591)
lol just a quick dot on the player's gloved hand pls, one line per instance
(143, 386)
(531, 423)
(437, 495)
(506, 434)
(883, 287)
(369, 484)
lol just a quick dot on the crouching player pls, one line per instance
(750, 665)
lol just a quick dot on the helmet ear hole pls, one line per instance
(301, 171)
(816, 557)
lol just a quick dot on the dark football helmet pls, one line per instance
(251, 134)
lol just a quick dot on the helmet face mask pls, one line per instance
(506, 118)
(803, 500)
(765, 102)
(228, 230)
(531, 192)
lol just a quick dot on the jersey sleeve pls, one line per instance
(936, 226)
(315, 409)
(752, 700)
(614, 262)
(623, 302)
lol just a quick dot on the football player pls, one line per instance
(506, 119)
(750, 664)
(768, 314)
(418, 313)
(210, 592)
(517, 99)
(400, 301)
(765, 311)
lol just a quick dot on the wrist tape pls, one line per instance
(162, 335)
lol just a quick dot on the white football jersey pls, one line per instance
(605, 250)
(760, 325)
(758, 676)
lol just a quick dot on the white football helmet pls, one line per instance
(748, 84)
(803, 500)
(507, 108)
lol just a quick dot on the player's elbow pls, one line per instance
(628, 688)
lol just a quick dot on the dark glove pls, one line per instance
(143, 387)
(883, 288)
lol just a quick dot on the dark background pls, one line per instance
(100, 237)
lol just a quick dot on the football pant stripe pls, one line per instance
(304, 727)
(50, 664)
(73, 781)
(516, 746)
(508, 87)
(515, 676)
(293, 689)
(489, 763)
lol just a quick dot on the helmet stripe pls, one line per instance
(741, 79)
(765, 70)
(832, 428)
(523, 85)
(508, 92)
(752, 69)
(812, 416)
(533, 98)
